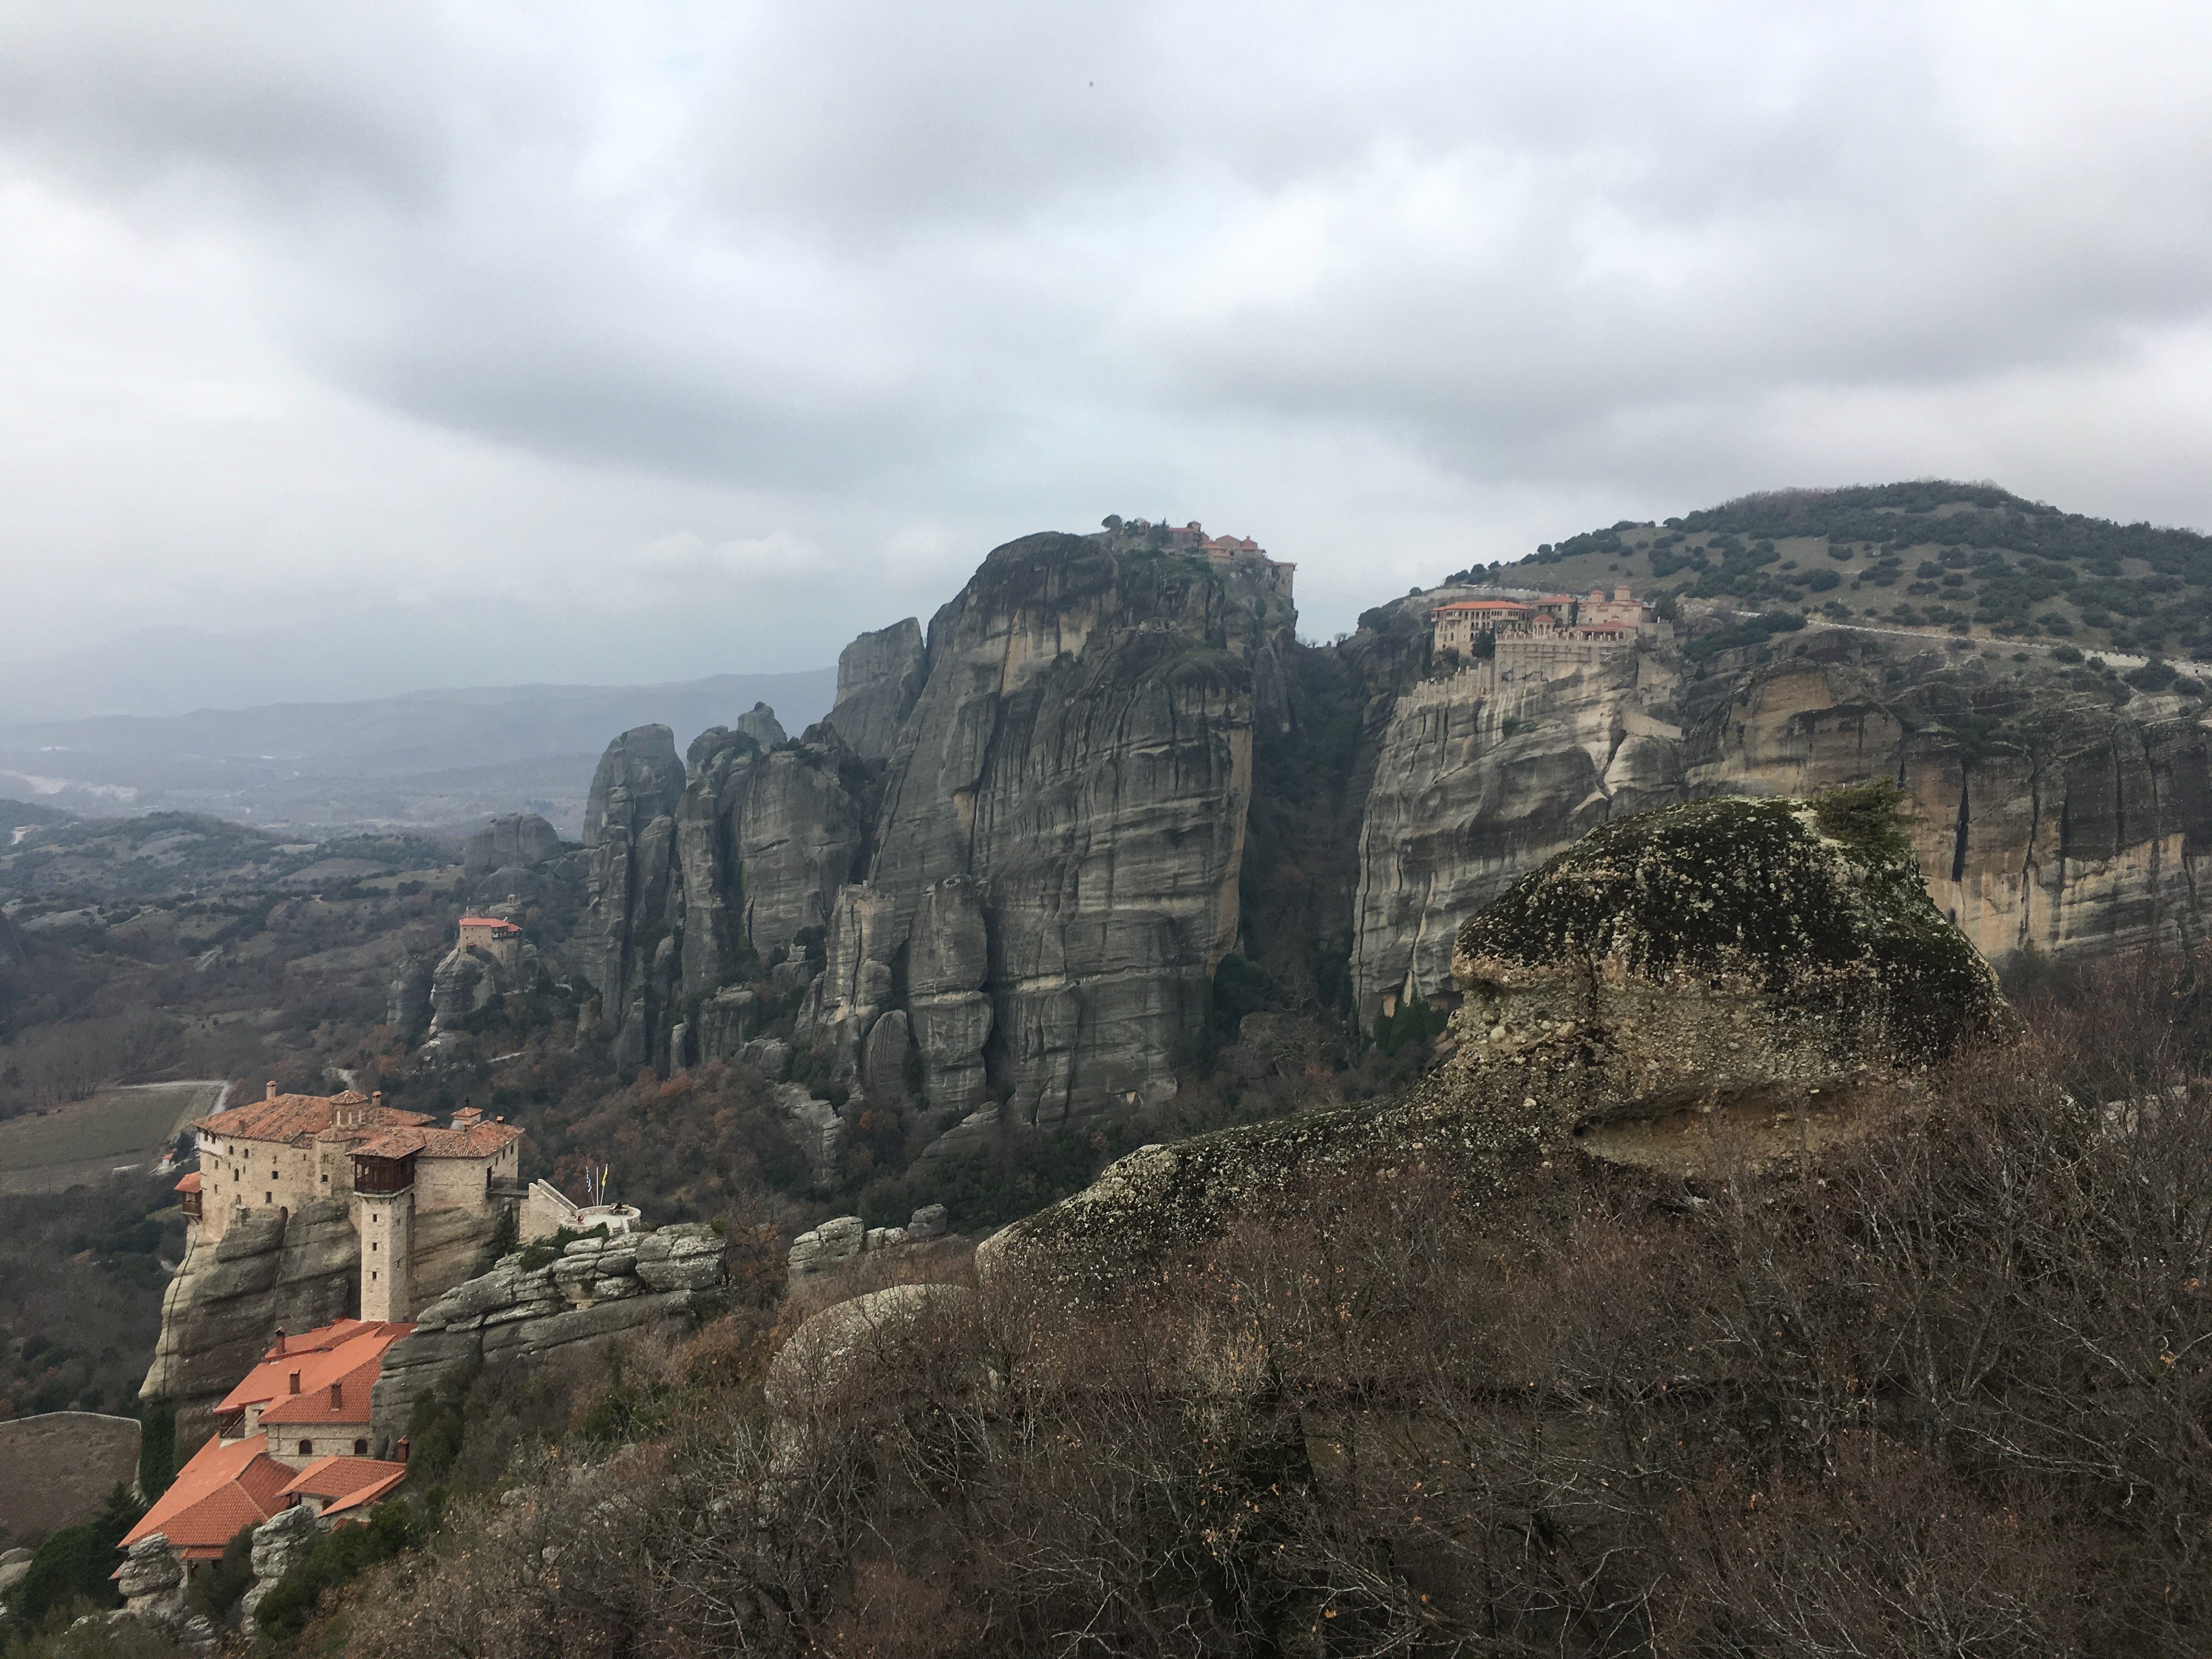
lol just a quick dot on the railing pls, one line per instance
(382, 1174)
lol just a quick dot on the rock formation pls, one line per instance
(596, 1288)
(862, 1335)
(269, 1271)
(272, 1272)
(1712, 980)
(280, 1544)
(513, 841)
(2048, 810)
(879, 676)
(835, 1242)
(1012, 854)
(153, 1585)
(408, 1008)
(1024, 837)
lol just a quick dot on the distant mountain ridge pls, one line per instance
(442, 756)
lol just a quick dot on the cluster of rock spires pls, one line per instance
(993, 882)
(998, 875)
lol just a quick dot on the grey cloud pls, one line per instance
(875, 278)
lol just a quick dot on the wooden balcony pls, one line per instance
(383, 1174)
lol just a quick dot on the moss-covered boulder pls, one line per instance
(1813, 907)
(1710, 984)
(1729, 961)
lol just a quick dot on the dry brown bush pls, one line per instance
(1947, 1393)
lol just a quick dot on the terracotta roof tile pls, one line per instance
(347, 1482)
(350, 1352)
(222, 1489)
(191, 1183)
(293, 1117)
(476, 1140)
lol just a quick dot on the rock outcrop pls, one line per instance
(229, 1298)
(529, 1309)
(272, 1272)
(2049, 810)
(280, 1544)
(153, 1585)
(824, 1249)
(512, 841)
(846, 1341)
(1023, 836)
(1712, 980)
(408, 1009)
(879, 676)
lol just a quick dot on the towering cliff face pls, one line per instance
(1081, 753)
(2043, 816)
(1483, 771)
(1023, 833)
(2049, 810)
(1023, 837)
(879, 676)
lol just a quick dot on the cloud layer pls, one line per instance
(679, 339)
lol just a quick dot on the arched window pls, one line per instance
(307, 1448)
(360, 1449)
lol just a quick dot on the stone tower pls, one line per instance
(387, 1255)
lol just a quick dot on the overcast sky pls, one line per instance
(634, 342)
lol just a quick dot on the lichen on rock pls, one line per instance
(1814, 906)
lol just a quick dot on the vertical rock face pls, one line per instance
(1484, 773)
(948, 964)
(879, 676)
(512, 840)
(228, 1297)
(2044, 814)
(1024, 836)
(1082, 749)
(630, 830)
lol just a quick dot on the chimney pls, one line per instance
(271, 1095)
(400, 1451)
(376, 1099)
(295, 1382)
(278, 1346)
(337, 1396)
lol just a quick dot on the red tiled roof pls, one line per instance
(475, 1140)
(346, 1483)
(191, 1183)
(392, 1143)
(293, 1117)
(495, 923)
(350, 1354)
(222, 1489)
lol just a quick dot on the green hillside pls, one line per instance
(1970, 557)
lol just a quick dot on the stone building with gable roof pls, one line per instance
(284, 1152)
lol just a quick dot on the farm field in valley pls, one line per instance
(89, 1140)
